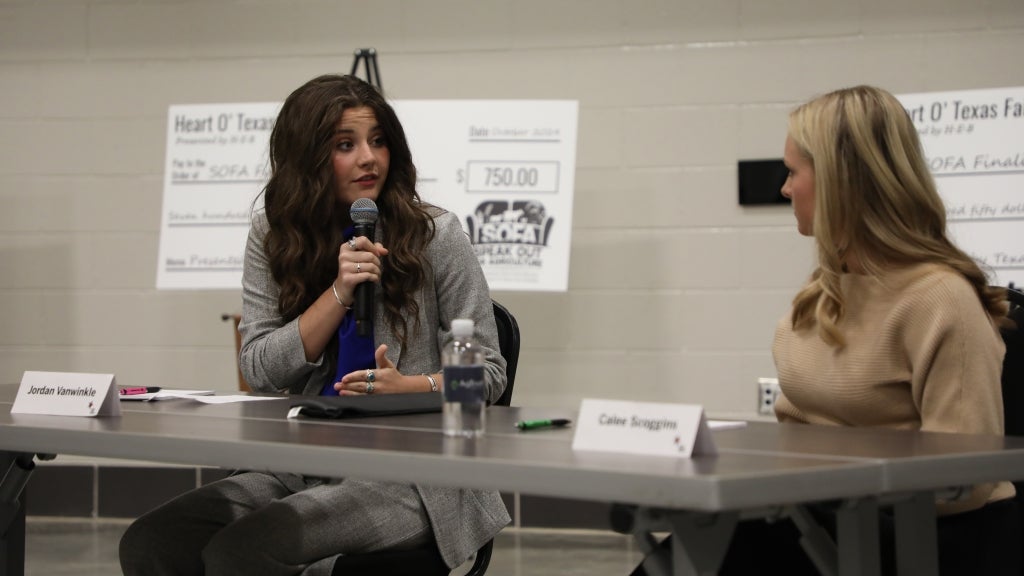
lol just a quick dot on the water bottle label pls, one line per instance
(464, 384)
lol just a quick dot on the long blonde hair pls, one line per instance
(875, 201)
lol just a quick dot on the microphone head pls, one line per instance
(363, 211)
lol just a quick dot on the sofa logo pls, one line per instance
(502, 222)
(510, 234)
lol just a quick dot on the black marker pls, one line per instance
(531, 424)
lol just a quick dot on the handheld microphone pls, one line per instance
(364, 216)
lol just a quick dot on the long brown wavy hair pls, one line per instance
(874, 199)
(306, 217)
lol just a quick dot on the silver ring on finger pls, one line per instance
(359, 267)
(370, 376)
(352, 243)
(369, 387)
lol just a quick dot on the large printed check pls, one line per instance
(506, 167)
(974, 143)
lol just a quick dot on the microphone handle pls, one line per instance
(364, 292)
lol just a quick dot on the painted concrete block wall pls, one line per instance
(674, 288)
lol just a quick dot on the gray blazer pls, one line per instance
(272, 358)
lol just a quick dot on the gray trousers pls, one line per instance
(255, 523)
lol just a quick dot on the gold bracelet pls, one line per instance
(433, 383)
(338, 298)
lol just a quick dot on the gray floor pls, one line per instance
(89, 548)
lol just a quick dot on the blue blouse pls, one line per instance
(355, 352)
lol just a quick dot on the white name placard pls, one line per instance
(656, 429)
(67, 394)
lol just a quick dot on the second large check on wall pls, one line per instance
(505, 167)
(974, 143)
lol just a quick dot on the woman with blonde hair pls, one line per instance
(896, 328)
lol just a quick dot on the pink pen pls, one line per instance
(139, 390)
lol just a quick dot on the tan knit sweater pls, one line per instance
(921, 354)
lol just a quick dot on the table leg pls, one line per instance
(854, 551)
(857, 535)
(697, 546)
(916, 536)
(700, 541)
(815, 541)
(12, 516)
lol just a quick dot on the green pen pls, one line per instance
(532, 424)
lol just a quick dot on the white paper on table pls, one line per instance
(234, 398)
(725, 424)
(166, 393)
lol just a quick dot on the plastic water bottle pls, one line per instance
(464, 391)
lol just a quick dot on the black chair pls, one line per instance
(1013, 366)
(508, 344)
(1013, 379)
(426, 560)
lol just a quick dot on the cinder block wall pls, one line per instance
(674, 288)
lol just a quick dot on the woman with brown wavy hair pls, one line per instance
(336, 141)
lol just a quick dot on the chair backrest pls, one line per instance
(1013, 366)
(235, 319)
(1013, 380)
(508, 342)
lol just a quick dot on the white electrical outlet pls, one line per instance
(767, 392)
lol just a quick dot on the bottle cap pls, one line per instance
(462, 327)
